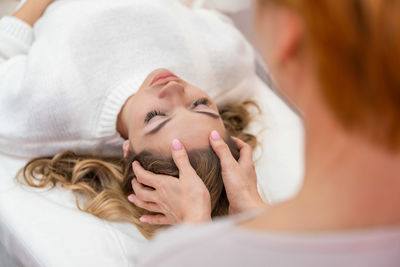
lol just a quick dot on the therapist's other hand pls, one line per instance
(186, 199)
(240, 178)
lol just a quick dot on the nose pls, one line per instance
(172, 90)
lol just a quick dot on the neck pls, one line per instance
(356, 181)
(333, 152)
(349, 183)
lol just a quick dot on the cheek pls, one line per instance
(134, 135)
(135, 120)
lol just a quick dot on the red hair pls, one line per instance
(355, 45)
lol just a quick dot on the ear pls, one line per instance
(126, 148)
(291, 36)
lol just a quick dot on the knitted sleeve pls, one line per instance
(15, 41)
(16, 38)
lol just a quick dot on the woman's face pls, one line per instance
(165, 108)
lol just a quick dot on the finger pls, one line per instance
(145, 177)
(246, 152)
(143, 193)
(181, 158)
(158, 219)
(222, 150)
(153, 207)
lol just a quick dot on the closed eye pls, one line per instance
(153, 114)
(165, 122)
(201, 101)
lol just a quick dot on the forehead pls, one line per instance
(192, 129)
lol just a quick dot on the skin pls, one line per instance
(190, 123)
(349, 183)
(32, 10)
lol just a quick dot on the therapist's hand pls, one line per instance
(239, 177)
(186, 199)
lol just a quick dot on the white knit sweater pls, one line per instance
(63, 83)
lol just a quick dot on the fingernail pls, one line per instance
(176, 145)
(143, 219)
(130, 198)
(215, 136)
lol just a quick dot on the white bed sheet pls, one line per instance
(46, 229)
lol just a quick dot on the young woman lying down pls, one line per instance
(88, 87)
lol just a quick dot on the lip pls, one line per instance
(162, 78)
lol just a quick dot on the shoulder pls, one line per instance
(224, 244)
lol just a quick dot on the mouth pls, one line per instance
(163, 78)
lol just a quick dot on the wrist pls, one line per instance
(199, 215)
(255, 202)
(251, 202)
(199, 219)
(31, 11)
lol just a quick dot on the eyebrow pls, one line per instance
(161, 125)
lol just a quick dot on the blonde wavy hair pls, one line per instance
(101, 185)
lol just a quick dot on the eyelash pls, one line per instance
(201, 101)
(154, 113)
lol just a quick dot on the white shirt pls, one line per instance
(225, 244)
(63, 83)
